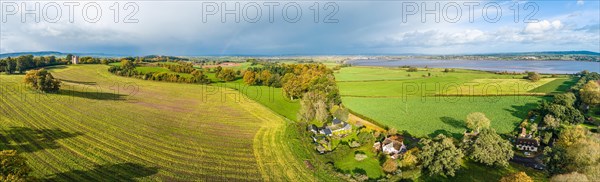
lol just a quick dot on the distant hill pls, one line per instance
(42, 53)
(508, 54)
(587, 53)
(57, 54)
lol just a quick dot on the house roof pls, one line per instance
(327, 131)
(528, 141)
(313, 127)
(336, 121)
(346, 126)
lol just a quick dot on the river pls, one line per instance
(548, 67)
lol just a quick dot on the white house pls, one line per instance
(528, 144)
(393, 145)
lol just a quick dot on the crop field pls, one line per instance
(271, 97)
(105, 127)
(417, 105)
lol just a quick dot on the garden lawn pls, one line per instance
(369, 166)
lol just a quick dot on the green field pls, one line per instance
(157, 132)
(557, 86)
(148, 69)
(386, 82)
(424, 106)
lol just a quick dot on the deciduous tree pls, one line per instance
(226, 74)
(42, 80)
(390, 166)
(440, 156)
(127, 64)
(551, 122)
(13, 166)
(570, 177)
(249, 77)
(590, 93)
(533, 76)
(490, 149)
(477, 121)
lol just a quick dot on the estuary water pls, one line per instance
(549, 67)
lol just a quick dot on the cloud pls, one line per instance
(580, 2)
(428, 38)
(176, 28)
(542, 26)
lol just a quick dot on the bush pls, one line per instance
(533, 76)
(390, 166)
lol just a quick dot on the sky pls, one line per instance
(351, 27)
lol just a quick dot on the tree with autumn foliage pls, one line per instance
(590, 93)
(250, 77)
(42, 80)
(13, 167)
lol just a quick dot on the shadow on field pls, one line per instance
(31, 140)
(78, 82)
(565, 86)
(92, 94)
(447, 133)
(56, 67)
(453, 122)
(521, 111)
(113, 172)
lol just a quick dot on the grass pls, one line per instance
(446, 115)
(557, 86)
(386, 82)
(423, 107)
(148, 69)
(99, 127)
(272, 98)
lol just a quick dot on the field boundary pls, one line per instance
(372, 121)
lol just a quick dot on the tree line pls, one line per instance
(26, 62)
(179, 67)
(575, 156)
(313, 83)
(127, 68)
(226, 74)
